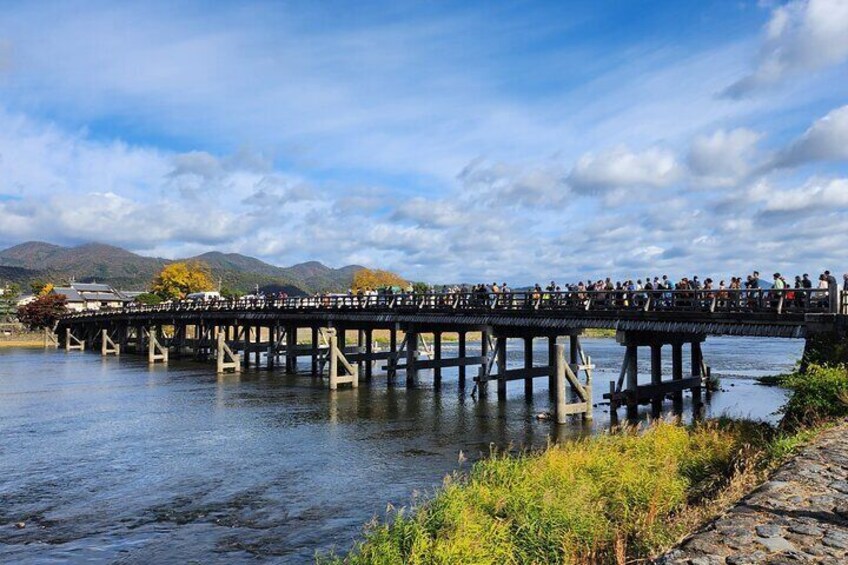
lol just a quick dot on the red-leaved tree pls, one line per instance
(43, 312)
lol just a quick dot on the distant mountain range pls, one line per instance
(39, 261)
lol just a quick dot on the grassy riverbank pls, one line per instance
(28, 339)
(608, 499)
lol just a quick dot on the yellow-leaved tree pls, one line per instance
(47, 289)
(375, 278)
(177, 280)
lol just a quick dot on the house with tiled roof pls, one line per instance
(91, 296)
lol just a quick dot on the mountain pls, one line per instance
(32, 252)
(123, 269)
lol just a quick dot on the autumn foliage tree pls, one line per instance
(177, 280)
(375, 278)
(43, 312)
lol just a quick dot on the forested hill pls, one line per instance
(39, 261)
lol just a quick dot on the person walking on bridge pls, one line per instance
(832, 293)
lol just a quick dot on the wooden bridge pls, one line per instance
(239, 333)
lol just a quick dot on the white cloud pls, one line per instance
(723, 157)
(801, 36)
(815, 194)
(510, 184)
(622, 168)
(825, 140)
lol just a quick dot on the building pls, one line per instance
(91, 296)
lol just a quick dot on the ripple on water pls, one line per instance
(109, 461)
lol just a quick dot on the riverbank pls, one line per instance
(21, 339)
(799, 515)
(616, 498)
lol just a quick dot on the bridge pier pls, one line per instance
(50, 338)
(225, 358)
(314, 343)
(155, 351)
(411, 355)
(578, 362)
(369, 350)
(72, 342)
(349, 373)
(108, 346)
(291, 349)
(486, 363)
(576, 398)
(461, 353)
(628, 392)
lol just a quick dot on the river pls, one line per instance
(108, 460)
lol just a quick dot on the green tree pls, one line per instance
(177, 280)
(9, 301)
(43, 312)
(230, 294)
(420, 287)
(37, 287)
(148, 299)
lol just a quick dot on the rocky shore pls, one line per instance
(799, 516)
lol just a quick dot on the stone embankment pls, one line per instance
(799, 516)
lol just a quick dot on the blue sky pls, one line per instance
(447, 141)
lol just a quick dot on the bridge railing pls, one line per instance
(783, 301)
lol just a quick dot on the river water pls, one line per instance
(107, 460)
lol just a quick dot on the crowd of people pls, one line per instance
(735, 291)
(823, 292)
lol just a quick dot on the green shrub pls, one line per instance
(818, 395)
(148, 299)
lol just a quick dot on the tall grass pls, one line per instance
(598, 500)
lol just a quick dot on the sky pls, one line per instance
(465, 141)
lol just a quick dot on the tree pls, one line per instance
(375, 278)
(40, 288)
(420, 287)
(148, 299)
(9, 301)
(43, 312)
(229, 293)
(177, 280)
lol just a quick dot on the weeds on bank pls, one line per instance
(598, 500)
(818, 395)
(607, 499)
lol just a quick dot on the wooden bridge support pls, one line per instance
(225, 358)
(461, 354)
(411, 356)
(72, 342)
(572, 396)
(627, 390)
(314, 351)
(369, 348)
(291, 349)
(50, 338)
(156, 353)
(337, 361)
(500, 348)
(578, 362)
(108, 346)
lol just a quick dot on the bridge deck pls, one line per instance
(789, 313)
